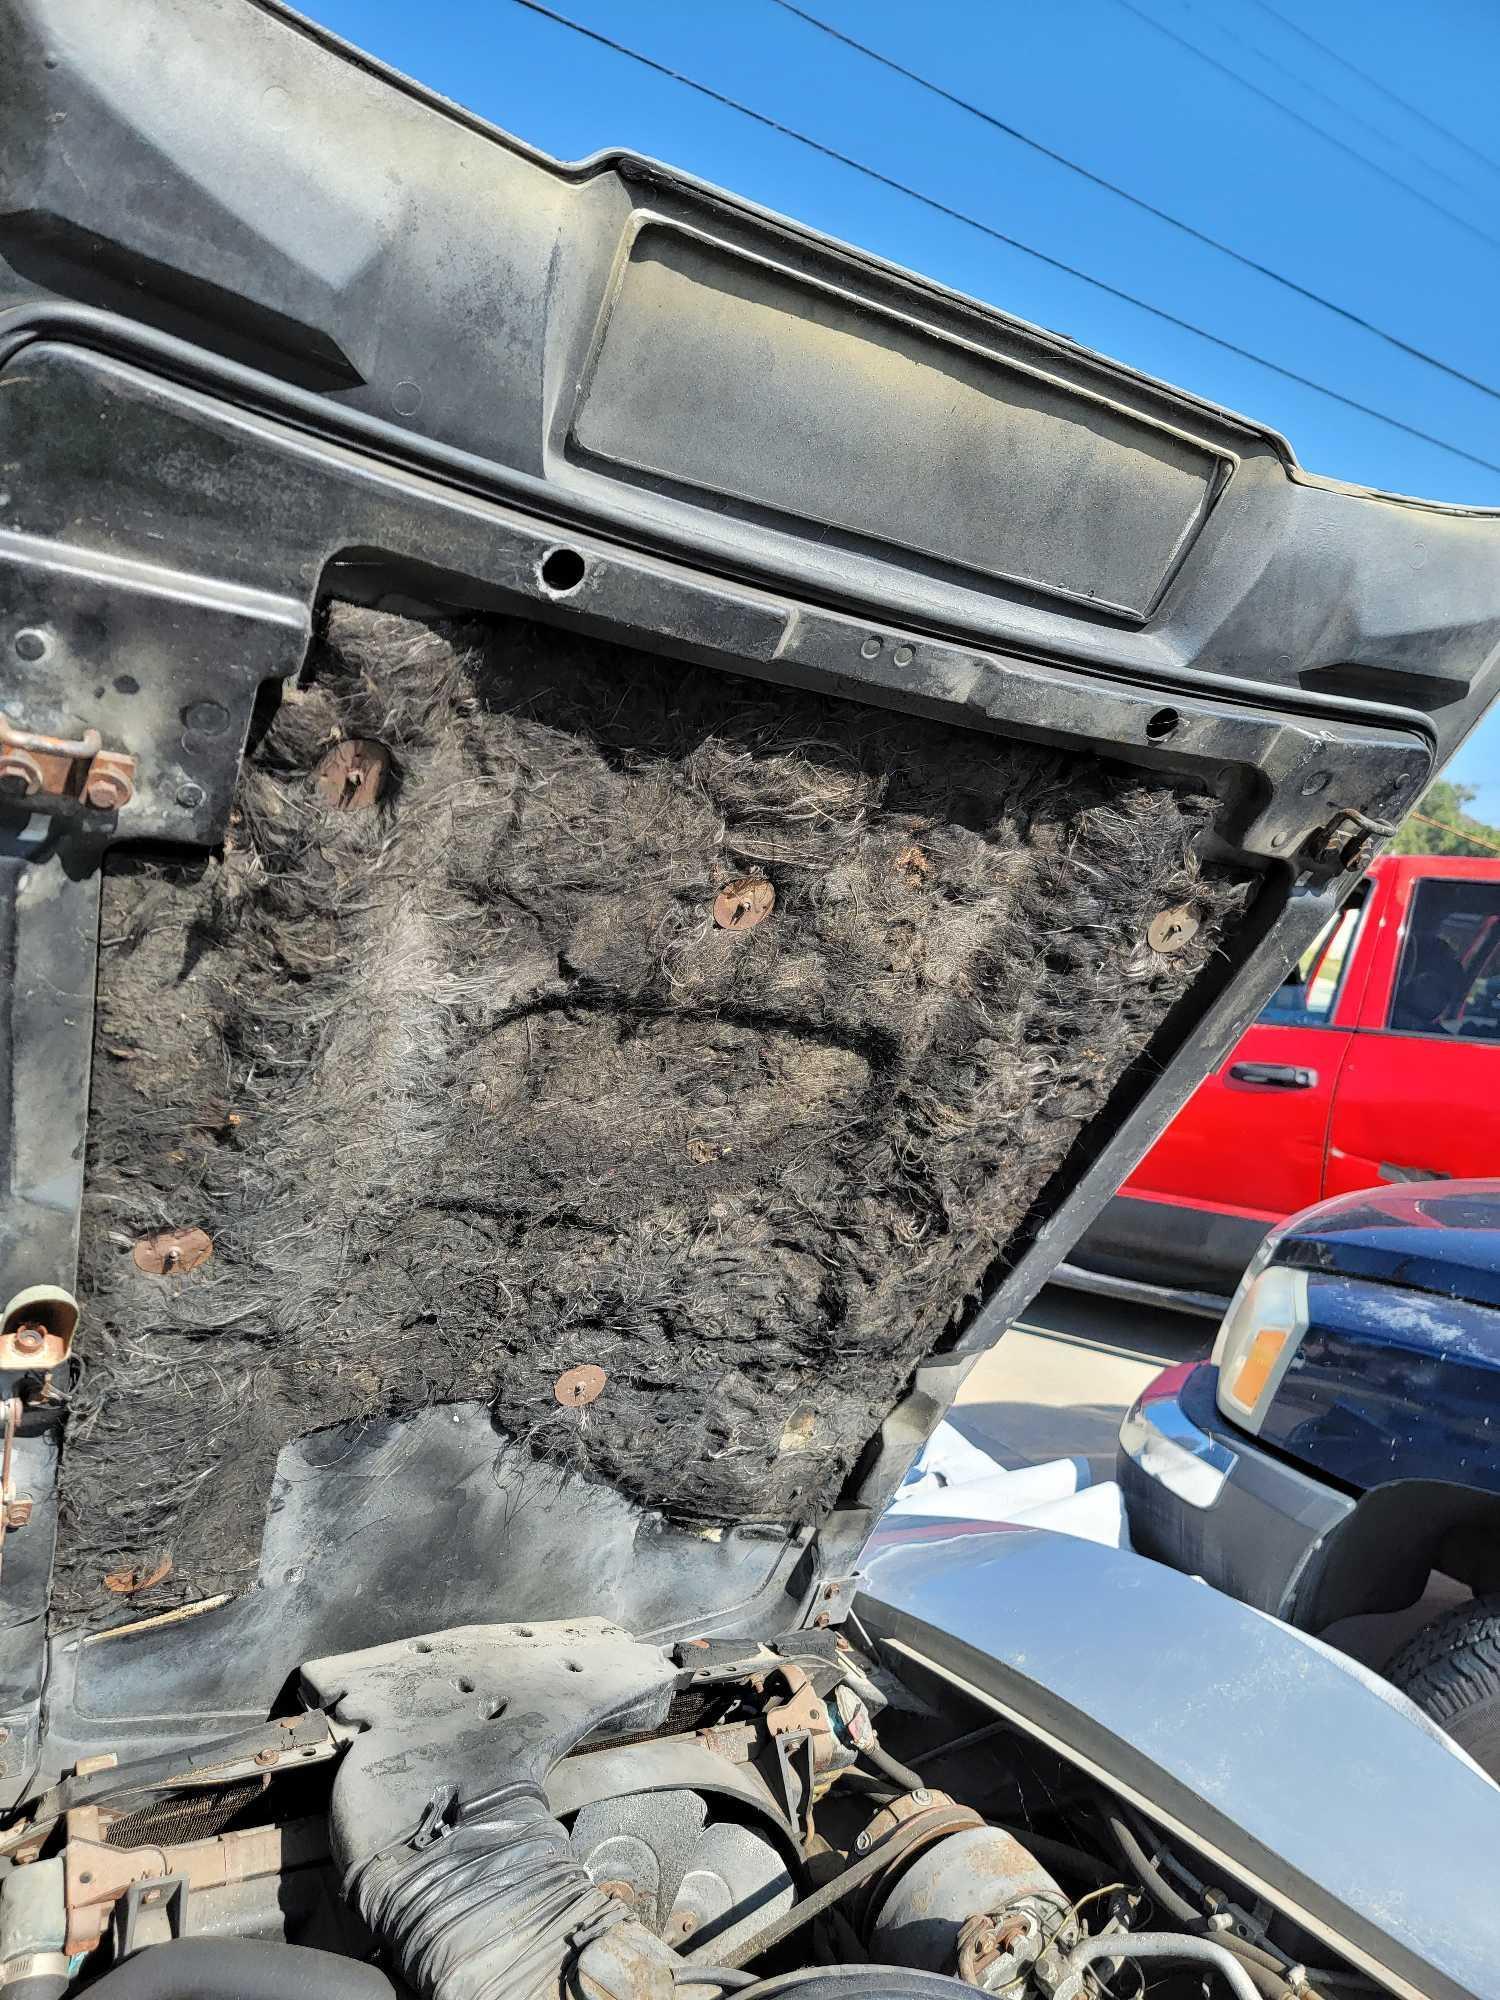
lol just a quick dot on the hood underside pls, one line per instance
(470, 1084)
(637, 818)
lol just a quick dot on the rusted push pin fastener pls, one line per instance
(351, 776)
(576, 1387)
(740, 906)
(171, 1253)
(1171, 930)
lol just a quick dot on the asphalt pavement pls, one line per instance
(1059, 1381)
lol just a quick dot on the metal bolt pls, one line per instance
(190, 797)
(1315, 782)
(20, 775)
(862, 1844)
(107, 791)
(870, 648)
(922, 1797)
(903, 656)
(29, 1339)
(267, 1756)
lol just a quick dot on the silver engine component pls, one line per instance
(959, 1897)
(682, 1877)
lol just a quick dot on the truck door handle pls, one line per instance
(1274, 1076)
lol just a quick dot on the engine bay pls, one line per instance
(560, 1808)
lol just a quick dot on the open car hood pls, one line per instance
(621, 821)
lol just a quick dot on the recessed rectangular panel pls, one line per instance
(722, 373)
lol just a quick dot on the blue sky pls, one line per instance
(1189, 129)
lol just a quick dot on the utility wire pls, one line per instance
(1139, 201)
(1375, 84)
(1342, 109)
(1298, 117)
(999, 236)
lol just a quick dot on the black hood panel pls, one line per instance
(639, 544)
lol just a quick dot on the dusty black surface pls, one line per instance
(468, 1087)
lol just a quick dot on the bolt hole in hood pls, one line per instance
(619, 820)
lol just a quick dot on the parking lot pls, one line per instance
(1059, 1382)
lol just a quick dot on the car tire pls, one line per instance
(1451, 1669)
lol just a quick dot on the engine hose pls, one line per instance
(892, 1767)
(1171, 1902)
(497, 1904)
(241, 1969)
(1266, 1970)
(1153, 1945)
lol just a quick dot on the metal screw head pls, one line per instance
(903, 656)
(1315, 782)
(20, 775)
(862, 1844)
(190, 797)
(870, 648)
(29, 1339)
(107, 791)
(30, 644)
(922, 1796)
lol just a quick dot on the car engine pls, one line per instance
(516, 1812)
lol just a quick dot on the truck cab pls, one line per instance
(1376, 1062)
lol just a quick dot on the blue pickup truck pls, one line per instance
(1343, 1440)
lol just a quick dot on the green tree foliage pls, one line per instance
(1439, 825)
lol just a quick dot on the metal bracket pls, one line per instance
(37, 1328)
(796, 1777)
(833, 1599)
(1347, 840)
(48, 771)
(15, 1509)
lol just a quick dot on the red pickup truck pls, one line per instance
(1378, 1060)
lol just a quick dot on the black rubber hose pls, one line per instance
(1266, 1971)
(39, 1986)
(241, 1969)
(1146, 1871)
(892, 1767)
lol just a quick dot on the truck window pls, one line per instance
(1449, 981)
(1308, 995)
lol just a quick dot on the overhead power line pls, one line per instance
(1138, 201)
(1311, 124)
(1343, 110)
(1375, 84)
(998, 235)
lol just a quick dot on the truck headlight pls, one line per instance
(1267, 1318)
